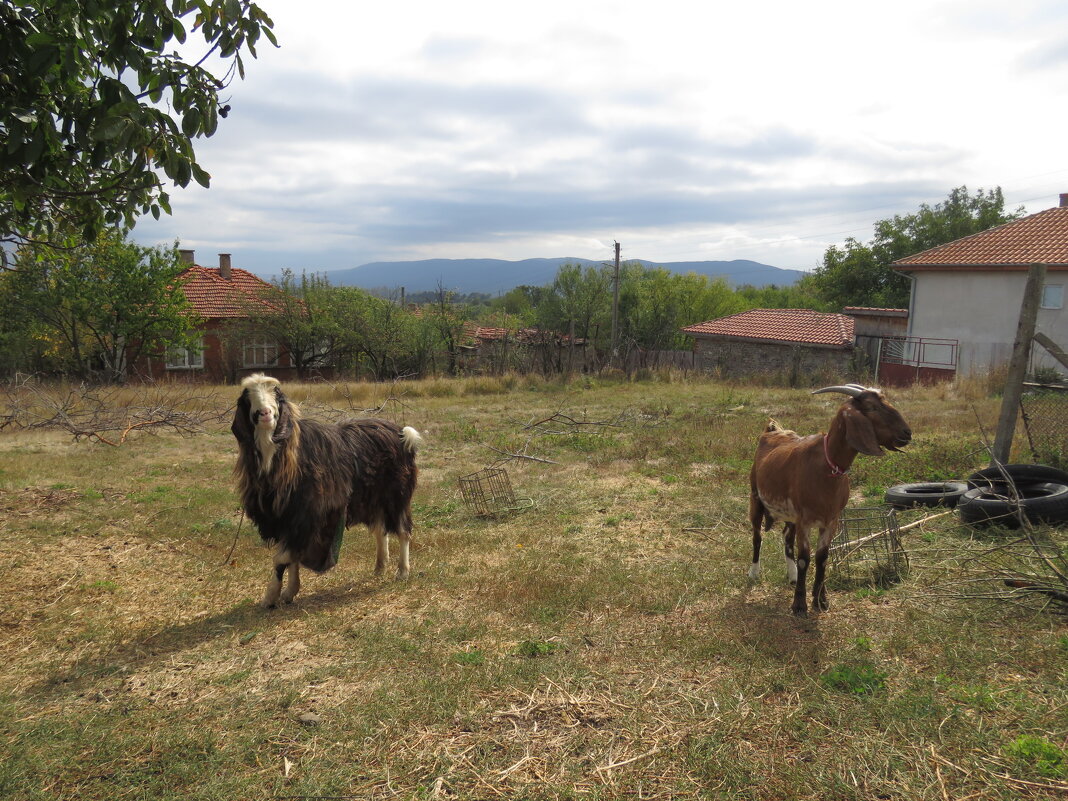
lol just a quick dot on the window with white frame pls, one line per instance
(260, 354)
(186, 358)
(1053, 296)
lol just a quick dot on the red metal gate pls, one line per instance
(904, 361)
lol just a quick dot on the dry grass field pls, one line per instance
(604, 643)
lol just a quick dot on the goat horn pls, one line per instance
(846, 389)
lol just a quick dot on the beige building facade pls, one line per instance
(971, 290)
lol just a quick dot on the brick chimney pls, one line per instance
(1064, 200)
(224, 265)
(187, 256)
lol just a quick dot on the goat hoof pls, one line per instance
(265, 604)
(286, 599)
(799, 611)
(402, 575)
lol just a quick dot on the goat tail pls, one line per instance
(411, 439)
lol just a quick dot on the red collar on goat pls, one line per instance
(835, 469)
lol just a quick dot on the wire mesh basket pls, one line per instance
(866, 549)
(489, 492)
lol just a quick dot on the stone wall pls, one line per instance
(733, 359)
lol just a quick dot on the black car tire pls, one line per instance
(1041, 502)
(1019, 473)
(928, 493)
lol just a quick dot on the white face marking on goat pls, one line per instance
(263, 414)
(263, 406)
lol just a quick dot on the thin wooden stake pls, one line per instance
(1021, 349)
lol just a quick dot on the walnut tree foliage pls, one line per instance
(859, 274)
(98, 108)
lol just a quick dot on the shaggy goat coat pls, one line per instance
(304, 482)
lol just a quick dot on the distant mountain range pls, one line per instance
(494, 276)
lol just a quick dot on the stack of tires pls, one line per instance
(1036, 491)
(996, 495)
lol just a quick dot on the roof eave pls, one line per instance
(1014, 266)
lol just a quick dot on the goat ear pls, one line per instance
(860, 433)
(287, 415)
(242, 425)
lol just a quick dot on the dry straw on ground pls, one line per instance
(604, 644)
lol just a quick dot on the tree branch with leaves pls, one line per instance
(95, 110)
(858, 274)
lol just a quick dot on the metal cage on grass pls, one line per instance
(866, 549)
(489, 492)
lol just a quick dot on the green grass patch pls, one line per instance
(1040, 755)
(860, 678)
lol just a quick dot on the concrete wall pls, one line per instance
(981, 310)
(732, 358)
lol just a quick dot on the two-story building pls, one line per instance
(970, 291)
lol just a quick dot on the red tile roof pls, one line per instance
(215, 297)
(486, 333)
(780, 325)
(525, 336)
(1041, 237)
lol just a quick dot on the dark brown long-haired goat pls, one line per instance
(304, 482)
(804, 481)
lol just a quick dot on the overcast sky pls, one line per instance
(683, 130)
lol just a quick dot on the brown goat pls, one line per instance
(804, 481)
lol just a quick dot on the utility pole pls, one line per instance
(613, 359)
(1021, 349)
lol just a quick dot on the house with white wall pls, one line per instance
(970, 290)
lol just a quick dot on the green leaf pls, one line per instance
(183, 173)
(200, 176)
(109, 128)
(211, 120)
(191, 122)
(35, 147)
(40, 39)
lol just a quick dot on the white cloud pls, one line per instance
(488, 129)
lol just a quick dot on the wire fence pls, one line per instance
(1044, 409)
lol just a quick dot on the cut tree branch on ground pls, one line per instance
(108, 414)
